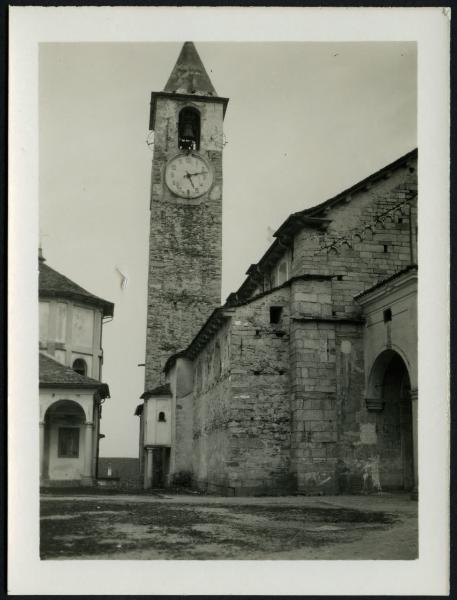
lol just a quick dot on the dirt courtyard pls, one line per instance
(192, 527)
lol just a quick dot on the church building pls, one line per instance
(70, 366)
(305, 380)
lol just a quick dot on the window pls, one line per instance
(386, 248)
(61, 322)
(217, 365)
(387, 314)
(68, 443)
(161, 418)
(80, 366)
(275, 314)
(44, 321)
(83, 327)
(189, 129)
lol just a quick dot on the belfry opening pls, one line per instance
(189, 129)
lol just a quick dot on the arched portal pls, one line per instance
(389, 394)
(63, 452)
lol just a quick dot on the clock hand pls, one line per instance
(189, 177)
(199, 173)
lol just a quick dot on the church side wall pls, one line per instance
(371, 236)
(260, 409)
(211, 414)
(313, 384)
(182, 460)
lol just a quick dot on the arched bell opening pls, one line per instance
(389, 395)
(189, 129)
(63, 452)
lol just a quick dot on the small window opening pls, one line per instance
(385, 248)
(189, 129)
(339, 278)
(275, 314)
(80, 366)
(400, 219)
(162, 418)
(387, 314)
(68, 442)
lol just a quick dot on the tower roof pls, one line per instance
(189, 75)
(54, 284)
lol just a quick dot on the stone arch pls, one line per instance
(189, 128)
(389, 395)
(64, 438)
(378, 370)
(66, 409)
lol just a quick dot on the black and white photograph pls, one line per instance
(229, 243)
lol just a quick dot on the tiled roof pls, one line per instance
(52, 283)
(161, 390)
(55, 374)
(189, 75)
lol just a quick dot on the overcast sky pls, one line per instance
(304, 122)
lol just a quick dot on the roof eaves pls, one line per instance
(212, 324)
(106, 306)
(160, 390)
(360, 185)
(387, 280)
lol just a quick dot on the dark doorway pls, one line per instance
(394, 423)
(160, 467)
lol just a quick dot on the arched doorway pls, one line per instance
(63, 452)
(389, 391)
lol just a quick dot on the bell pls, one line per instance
(188, 130)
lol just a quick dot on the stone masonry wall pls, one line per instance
(260, 410)
(184, 435)
(184, 284)
(211, 414)
(371, 236)
(313, 383)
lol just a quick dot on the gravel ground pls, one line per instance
(194, 527)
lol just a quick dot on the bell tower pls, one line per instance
(185, 244)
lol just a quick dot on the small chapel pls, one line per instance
(305, 379)
(71, 392)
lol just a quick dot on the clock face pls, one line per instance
(188, 175)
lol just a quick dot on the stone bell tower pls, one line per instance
(185, 245)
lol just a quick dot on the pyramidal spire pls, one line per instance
(189, 75)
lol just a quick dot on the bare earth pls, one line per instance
(193, 527)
